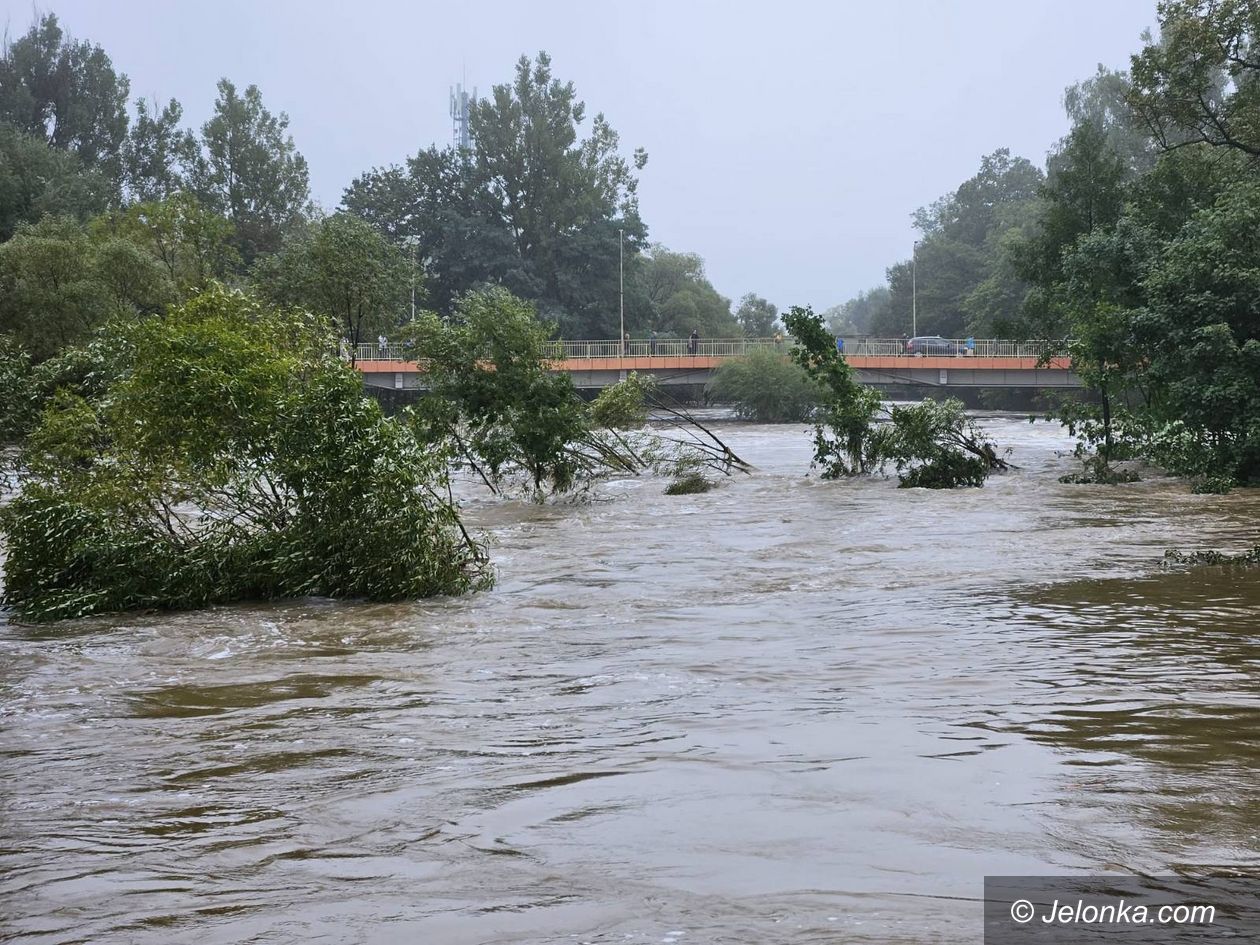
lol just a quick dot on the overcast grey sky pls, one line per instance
(789, 142)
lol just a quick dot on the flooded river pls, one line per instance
(784, 711)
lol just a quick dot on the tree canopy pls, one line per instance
(533, 206)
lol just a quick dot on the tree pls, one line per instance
(765, 387)
(1084, 192)
(343, 270)
(37, 180)
(57, 284)
(756, 316)
(250, 170)
(156, 152)
(958, 269)
(65, 93)
(532, 206)
(678, 296)
(233, 457)
(843, 424)
(856, 316)
(491, 393)
(1200, 81)
(1200, 332)
(932, 445)
(193, 244)
(18, 399)
(1104, 100)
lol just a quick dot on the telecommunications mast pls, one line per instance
(460, 102)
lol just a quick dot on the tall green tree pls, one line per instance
(57, 284)
(675, 296)
(1199, 81)
(1200, 330)
(193, 244)
(342, 269)
(250, 170)
(533, 206)
(65, 93)
(756, 316)
(1104, 100)
(156, 152)
(962, 285)
(856, 316)
(1084, 193)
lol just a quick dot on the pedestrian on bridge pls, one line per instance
(693, 342)
(652, 343)
(625, 344)
(382, 345)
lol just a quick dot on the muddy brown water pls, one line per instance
(784, 711)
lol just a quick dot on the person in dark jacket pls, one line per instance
(693, 342)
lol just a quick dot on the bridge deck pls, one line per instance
(710, 362)
(881, 361)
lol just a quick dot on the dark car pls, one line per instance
(933, 345)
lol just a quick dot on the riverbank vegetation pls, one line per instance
(173, 308)
(1138, 247)
(229, 455)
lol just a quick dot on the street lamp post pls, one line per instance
(621, 290)
(914, 291)
(413, 242)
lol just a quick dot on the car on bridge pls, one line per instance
(925, 345)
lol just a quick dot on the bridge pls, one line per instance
(882, 362)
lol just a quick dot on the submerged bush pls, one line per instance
(1095, 470)
(765, 386)
(1246, 559)
(230, 457)
(689, 484)
(933, 445)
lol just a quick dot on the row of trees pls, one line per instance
(1138, 246)
(109, 205)
(69, 145)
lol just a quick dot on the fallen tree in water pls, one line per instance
(517, 425)
(1245, 559)
(931, 445)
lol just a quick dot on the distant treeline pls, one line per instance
(1138, 246)
(109, 206)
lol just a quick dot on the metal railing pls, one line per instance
(736, 347)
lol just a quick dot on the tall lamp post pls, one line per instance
(413, 242)
(621, 288)
(914, 291)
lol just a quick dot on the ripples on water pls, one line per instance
(786, 710)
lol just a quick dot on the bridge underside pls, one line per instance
(597, 373)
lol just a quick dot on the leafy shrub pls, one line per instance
(1097, 471)
(689, 484)
(231, 457)
(624, 405)
(494, 395)
(18, 398)
(765, 386)
(933, 445)
(1214, 485)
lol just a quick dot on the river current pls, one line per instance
(787, 710)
